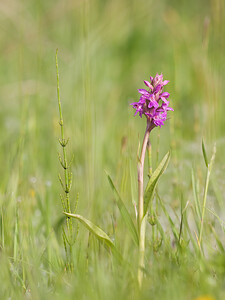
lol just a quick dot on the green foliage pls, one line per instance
(152, 183)
(204, 154)
(105, 49)
(98, 232)
(124, 213)
(69, 236)
(209, 169)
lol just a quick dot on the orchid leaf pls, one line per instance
(152, 183)
(97, 231)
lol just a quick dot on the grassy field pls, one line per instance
(105, 51)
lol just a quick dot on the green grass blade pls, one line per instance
(217, 192)
(124, 213)
(192, 239)
(209, 169)
(173, 227)
(204, 154)
(222, 223)
(161, 231)
(217, 238)
(150, 189)
(196, 195)
(16, 233)
(212, 158)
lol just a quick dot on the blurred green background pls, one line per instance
(106, 50)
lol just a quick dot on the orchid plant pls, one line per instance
(154, 104)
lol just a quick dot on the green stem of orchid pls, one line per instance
(141, 219)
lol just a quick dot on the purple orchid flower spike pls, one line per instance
(153, 102)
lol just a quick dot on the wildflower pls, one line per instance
(153, 102)
(204, 298)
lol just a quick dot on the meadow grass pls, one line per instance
(106, 49)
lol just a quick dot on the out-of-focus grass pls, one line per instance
(106, 49)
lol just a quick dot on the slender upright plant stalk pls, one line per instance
(141, 175)
(203, 207)
(209, 169)
(63, 142)
(141, 224)
(68, 237)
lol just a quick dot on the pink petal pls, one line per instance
(165, 94)
(165, 82)
(157, 89)
(143, 92)
(148, 84)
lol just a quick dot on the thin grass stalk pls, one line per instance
(209, 169)
(203, 207)
(2, 229)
